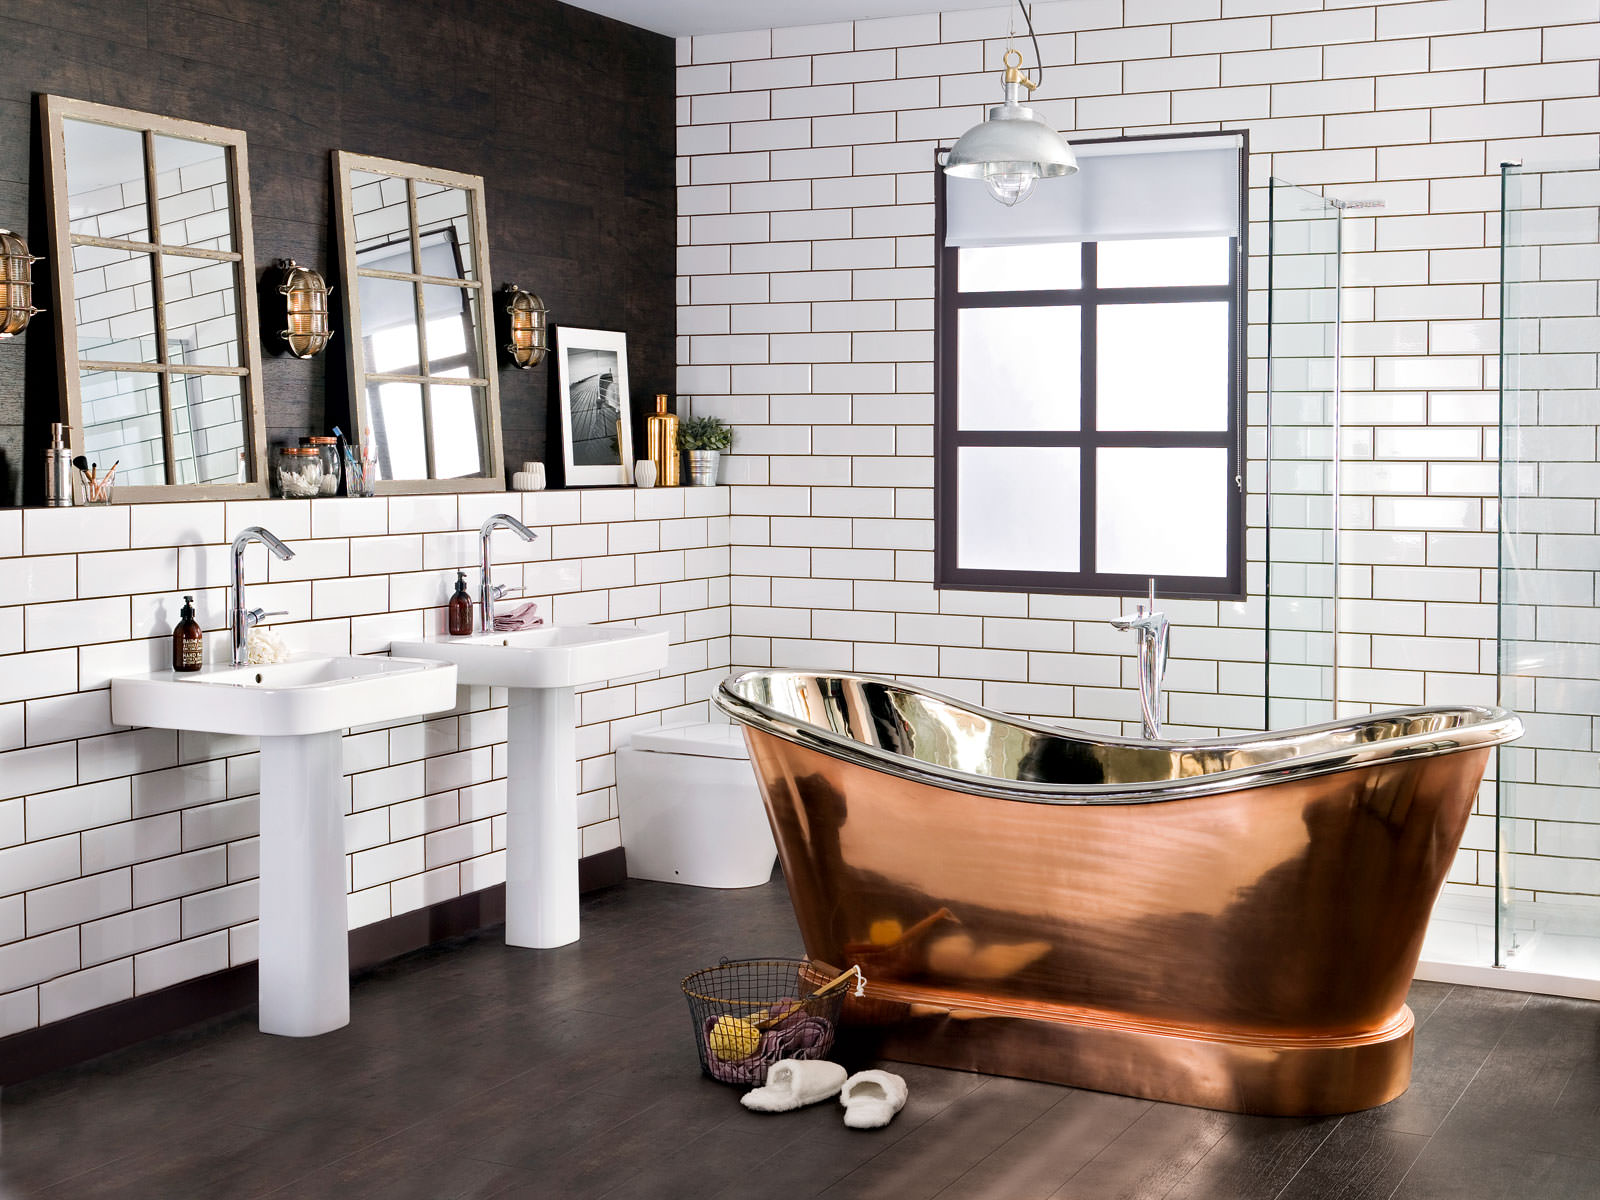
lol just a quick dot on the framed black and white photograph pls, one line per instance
(596, 427)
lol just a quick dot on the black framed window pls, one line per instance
(1088, 416)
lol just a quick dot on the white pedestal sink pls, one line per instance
(299, 709)
(540, 668)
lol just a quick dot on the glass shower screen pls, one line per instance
(1547, 858)
(1303, 332)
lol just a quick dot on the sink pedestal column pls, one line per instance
(305, 949)
(541, 817)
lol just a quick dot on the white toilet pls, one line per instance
(691, 812)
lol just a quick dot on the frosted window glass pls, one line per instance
(1018, 508)
(1161, 511)
(1162, 262)
(1162, 366)
(1042, 267)
(1019, 368)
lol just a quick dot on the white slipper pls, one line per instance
(794, 1083)
(871, 1099)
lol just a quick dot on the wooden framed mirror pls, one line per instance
(414, 252)
(154, 273)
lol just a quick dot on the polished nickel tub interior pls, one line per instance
(1229, 922)
(920, 734)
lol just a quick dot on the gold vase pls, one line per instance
(661, 442)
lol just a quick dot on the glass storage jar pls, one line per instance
(327, 449)
(299, 472)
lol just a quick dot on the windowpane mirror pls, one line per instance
(150, 224)
(422, 379)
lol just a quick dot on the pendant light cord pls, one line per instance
(1038, 58)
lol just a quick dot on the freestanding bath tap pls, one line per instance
(488, 592)
(244, 618)
(1151, 628)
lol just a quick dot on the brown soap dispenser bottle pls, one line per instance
(661, 442)
(188, 641)
(460, 608)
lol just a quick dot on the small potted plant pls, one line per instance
(704, 439)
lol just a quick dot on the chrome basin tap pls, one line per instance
(244, 618)
(488, 591)
(1152, 630)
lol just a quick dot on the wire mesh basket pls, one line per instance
(749, 1013)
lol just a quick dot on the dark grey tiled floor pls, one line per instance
(478, 1071)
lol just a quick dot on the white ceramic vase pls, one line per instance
(644, 473)
(529, 479)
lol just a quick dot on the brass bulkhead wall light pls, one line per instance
(529, 325)
(16, 284)
(305, 295)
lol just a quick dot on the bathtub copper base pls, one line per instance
(1265, 1075)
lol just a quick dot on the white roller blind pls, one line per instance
(1167, 187)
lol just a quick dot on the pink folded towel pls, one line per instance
(525, 617)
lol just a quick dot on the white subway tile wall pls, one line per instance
(128, 856)
(805, 160)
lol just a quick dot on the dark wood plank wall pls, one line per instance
(568, 117)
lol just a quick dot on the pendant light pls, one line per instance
(1013, 149)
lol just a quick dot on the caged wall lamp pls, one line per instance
(530, 327)
(16, 284)
(305, 295)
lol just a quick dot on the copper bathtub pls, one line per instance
(1228, 923)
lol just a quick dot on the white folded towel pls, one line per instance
(871, 1099)
(794, 1083)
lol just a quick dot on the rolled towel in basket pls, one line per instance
(522, 617)
(796, 1035)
